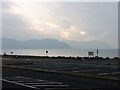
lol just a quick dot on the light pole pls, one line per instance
(97, 52)
(11, 53)
(46, 53)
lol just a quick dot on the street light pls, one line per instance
(46, 53)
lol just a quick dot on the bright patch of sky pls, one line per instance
(81, 21)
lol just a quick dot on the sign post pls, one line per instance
(90, 54)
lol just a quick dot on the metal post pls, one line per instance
(97, 52)
(46, 53)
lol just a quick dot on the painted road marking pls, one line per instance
(82, 71)
(26, 81)
(20, 84)
(40, 80)
(97, 70)
(103, 73)
(38, 83)
(115, 73)
(33, 83)
(50, 85)
(108, 73)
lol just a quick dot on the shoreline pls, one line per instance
(60, 57)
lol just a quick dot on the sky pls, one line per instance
(77, 21)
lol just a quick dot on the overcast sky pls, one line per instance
(82, 21)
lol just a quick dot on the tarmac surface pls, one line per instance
(17, 78)
(15, 74)
(108, 68)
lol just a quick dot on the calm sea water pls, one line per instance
(62, 52)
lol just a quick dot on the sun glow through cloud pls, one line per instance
(65, 34)
(52, 25)
(40, 19)
(83, 33)
(65, 21)
(37, 16)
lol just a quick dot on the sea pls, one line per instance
(62, 52)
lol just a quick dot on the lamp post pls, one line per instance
(46, 53)
(97, 52)
(11, 53)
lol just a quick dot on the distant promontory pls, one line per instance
(34, 44)
(8, 43)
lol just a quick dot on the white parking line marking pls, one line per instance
(49, 81)
(115, 73)
(38, 80)
(23, 77)
(108, 73)
(82, 71)
(32, 78)
(20, 84)
(50, 85)
(103, 73)
(97, 70)
(55, 82)
(39, 83)
(26, 78)
(33, 83)
(26, 81)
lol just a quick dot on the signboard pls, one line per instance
(90, 54)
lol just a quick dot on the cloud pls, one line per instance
(51, 25)
(65, 35)
(73, 21)
(83, 33)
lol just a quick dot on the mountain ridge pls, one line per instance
(52, 44)
(88, 44)
(34, 44)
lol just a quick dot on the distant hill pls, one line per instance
(87, 44)
(34, 44)
(52, 44)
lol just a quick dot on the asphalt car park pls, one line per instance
(50, 81)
